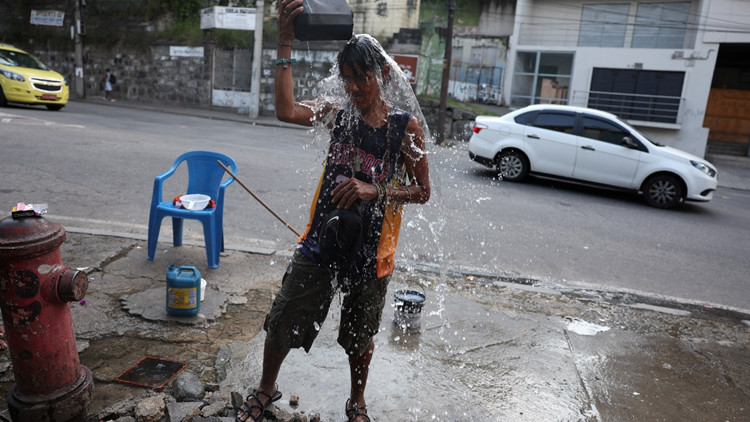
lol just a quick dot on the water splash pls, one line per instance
(426, 223)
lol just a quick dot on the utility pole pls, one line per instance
(79, 31)
(446, 74)
(257, 60)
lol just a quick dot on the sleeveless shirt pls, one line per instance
(381, 220)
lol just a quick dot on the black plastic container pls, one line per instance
(324, 20)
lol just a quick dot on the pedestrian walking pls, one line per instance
(108, 80)
(376, 162)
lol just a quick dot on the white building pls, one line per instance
(382, 19)
(650, 62)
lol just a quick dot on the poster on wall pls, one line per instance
(47, 17)
(409, 64)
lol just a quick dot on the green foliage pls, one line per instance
(184, 10)
(185, 31)
(109, 22)
(466, 13)
(234, 38)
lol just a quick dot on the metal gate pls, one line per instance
(477, 84)
(231, 77)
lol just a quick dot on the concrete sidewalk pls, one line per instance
(486, 350)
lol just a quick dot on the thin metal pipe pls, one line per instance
(257, 198)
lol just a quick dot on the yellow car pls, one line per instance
(25, 79)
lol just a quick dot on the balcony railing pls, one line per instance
(639, 107)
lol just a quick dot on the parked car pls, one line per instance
(590, 146)
(25, 79)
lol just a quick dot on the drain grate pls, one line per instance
(151, 372)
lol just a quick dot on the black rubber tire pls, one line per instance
(512, 165)
(3, 101)
(54, 107)
(663, 191)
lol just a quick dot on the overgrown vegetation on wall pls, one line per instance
(136, 24)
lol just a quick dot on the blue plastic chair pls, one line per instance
(204, 177)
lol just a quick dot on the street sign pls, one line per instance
(47, 17)
(220, 17)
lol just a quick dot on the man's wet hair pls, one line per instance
(363, 51)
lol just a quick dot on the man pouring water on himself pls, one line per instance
(376, 162)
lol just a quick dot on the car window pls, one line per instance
(560, 122)
(524, 118)
(602, 130)
(16, 58)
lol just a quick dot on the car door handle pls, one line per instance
(532, 136)
(588, 147)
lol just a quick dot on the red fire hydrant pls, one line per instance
(35, 291)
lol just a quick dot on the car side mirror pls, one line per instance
(628, 142)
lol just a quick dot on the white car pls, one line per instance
(589, 146)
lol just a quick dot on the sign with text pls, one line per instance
(181, 51)
(47, 17)
(219, 17)
(408, 63)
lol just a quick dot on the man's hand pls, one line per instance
(349, 191)
(288, 10)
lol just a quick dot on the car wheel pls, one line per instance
(3, 100)
(512, 165)
(663, 191)
(54, 107)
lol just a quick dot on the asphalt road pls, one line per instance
(94, 164)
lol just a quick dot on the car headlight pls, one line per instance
(704, 168)
(12, 76)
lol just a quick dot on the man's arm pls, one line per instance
(288, 110)
(417, 168)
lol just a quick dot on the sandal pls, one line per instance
(355, 411)
(248, 408)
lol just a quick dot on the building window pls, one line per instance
(661, 25)
(645, 95)
(603, 25)
(541, 78)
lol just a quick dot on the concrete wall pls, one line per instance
(721, 16)
(148, 76)
(496, 20)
